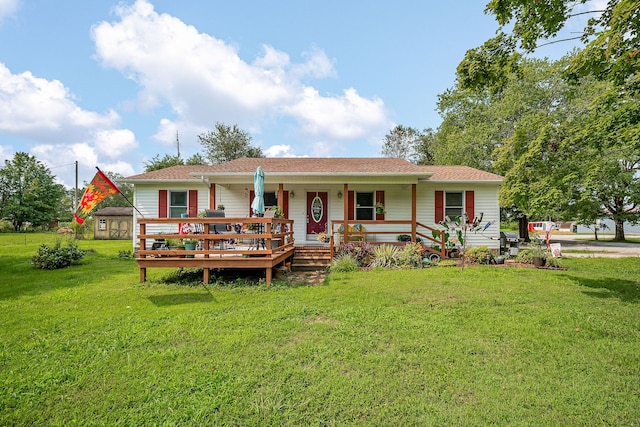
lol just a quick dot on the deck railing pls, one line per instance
(434, 239)
(259, 243)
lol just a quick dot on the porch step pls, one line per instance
(310, 258)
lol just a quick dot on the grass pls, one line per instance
(440, 346)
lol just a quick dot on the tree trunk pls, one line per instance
(619, 231)
(523, 228)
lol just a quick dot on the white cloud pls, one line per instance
(44, 110)
(121, 167)
(205, 80)
(281, 150)
(6, 153)
(115, 142)
(345, 117)
(8, 8)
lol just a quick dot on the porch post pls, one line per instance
(414, 209)
(345, 213)
(281, 197)
(212, 195)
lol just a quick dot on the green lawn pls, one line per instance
(89, 345)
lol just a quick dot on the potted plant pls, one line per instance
(538, 252)
(220, 207)
(380, 208)
(190, 245)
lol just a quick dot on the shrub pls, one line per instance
(477, 255)
(344, 263)
(524, 257)
(553, 262)
(411, 255)
(385, 256)
(51, 258)
(361, 251)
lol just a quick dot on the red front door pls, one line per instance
(317, 212)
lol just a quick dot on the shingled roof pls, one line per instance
(301, 166)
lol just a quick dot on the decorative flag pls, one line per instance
(99, 189)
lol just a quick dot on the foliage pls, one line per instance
(361, 251)
(28, 192)
(477, 255)
(411, 255)
(525, 256)
(344, 263)
(602, 126)
(448, 263)
(157, 163)
(565, 150)
(410, 144)
(57, 256)
(611, 42)
(537, 246)
(425, 148)
(227, 143)
(385, 256)
(400, 143)
(125, 254)
(175, 243)
(553, 262)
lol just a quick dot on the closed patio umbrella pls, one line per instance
(257, 205)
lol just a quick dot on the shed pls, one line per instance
(113, 224)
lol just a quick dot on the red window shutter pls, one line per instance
(439, 204)
(469, 203)
(252, 194)
(351, 205)
(193, 203)
(380, 199)
(163, 203)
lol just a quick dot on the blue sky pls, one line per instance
(109, 83)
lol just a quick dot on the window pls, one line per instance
(102, 224)
(453, 206)
(270, 199)
(365, 206)
(177, 204)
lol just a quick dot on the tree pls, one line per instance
(401, 143)
(157, 163)
(611, 40)
(609, 141)
(424, 148)
(227, 143)
(28, 192)
(196, 160)
(611, 56)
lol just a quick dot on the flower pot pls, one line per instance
(539, 261)
(190, 246)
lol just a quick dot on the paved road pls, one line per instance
(591, 248)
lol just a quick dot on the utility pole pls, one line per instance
(75, 190)
(178, 143)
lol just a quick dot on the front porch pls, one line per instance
(255, 243)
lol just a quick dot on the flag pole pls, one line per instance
(125, 197)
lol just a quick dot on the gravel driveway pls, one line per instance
(591, 248)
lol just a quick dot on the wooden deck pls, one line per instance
(253, 243)
(263, 243)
